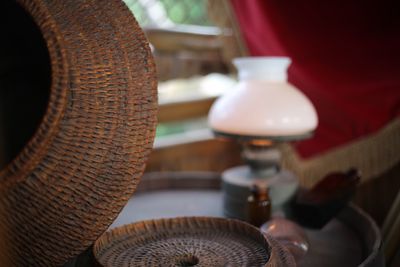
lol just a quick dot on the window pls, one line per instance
(167, 13)
(191, 67)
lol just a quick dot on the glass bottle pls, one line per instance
(289, 235)
(258, 206)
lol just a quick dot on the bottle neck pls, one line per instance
(259, 194)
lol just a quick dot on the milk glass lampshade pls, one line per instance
(263, 103)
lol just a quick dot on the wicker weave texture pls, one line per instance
(84, 161)
(187, 241)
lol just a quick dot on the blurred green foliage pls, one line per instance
(192, 12)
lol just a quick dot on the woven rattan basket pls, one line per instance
(189, 241)
(84, 160)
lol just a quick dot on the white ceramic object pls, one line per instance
(263, 103)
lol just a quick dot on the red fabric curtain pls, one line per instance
(346, 59)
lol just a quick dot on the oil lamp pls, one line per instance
(262, 110)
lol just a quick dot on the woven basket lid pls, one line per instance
(83, 163)
(189, 241)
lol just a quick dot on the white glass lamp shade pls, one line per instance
(263, 103)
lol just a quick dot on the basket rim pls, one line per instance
(36, 148)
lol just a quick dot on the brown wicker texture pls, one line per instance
(84, 161)
(189, 241)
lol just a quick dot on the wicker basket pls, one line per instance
(189, 241)
(84, 161)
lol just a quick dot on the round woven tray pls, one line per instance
(189, 241)
(83, 162)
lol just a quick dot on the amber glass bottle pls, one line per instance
(258, 206)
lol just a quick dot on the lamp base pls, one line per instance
(237, 182)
